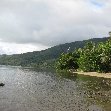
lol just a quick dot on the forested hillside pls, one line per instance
(44, 58)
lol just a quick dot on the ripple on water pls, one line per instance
(28, 90)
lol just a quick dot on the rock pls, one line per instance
(2, 84)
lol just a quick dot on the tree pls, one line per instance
(68, 61)
(104, 56)
(87, 60)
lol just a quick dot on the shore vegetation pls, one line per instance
(91, 58)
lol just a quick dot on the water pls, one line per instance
(29, 90)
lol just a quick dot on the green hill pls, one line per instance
(45, 57)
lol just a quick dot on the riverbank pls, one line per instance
(104, 75)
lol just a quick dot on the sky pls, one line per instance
(34, 25)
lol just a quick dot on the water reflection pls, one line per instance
(67, 75)
(96, 91)
(30, 90)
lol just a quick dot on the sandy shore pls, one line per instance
(104, 75)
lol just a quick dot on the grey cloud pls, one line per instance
(52, 22)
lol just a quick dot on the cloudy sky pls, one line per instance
(28, 25)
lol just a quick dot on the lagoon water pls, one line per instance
(30, 90)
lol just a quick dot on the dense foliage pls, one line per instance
(45, 58)
(92, 57)
(68, 61)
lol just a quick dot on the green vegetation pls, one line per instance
(68, 61)
(46, 58)
(92, 57)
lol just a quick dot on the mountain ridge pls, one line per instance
(45, 57)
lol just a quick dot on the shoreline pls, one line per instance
(95, 74)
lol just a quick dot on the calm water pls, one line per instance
(29, 90)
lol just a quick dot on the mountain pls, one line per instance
(44, 58)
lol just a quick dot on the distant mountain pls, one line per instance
(44, 57)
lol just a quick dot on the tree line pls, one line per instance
(91, 58)
(45, 58)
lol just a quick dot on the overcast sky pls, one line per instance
(28, 25)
